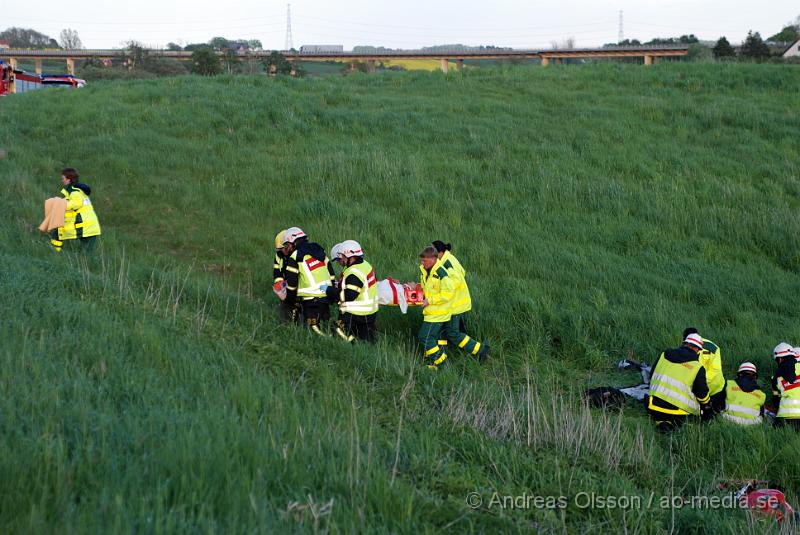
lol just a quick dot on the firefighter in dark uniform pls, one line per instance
(308, 273)
(678, 387)
(356, 293)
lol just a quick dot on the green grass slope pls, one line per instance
(599, 210)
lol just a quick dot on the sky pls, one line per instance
(398, 24)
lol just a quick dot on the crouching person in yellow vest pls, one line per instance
(711, 359)
(678, 387)
(356, 293)
(439, 289)
(786, 386)
(308, 273)
(456, 329)
(80, 219)
(744, 401)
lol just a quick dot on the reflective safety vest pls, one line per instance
(367, 301)
(462, 302)
(438, 288)
(711, 359)
(80, 220)
(672, 382)
(313, 274)
(790, 396)
(277, 268)
(743, 407)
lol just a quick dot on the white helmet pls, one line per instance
(336, 251)
(351, 248)
(292, 233)
(783, 350)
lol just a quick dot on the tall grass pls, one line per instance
(598, 210)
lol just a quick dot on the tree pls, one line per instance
(27, 38)
(135, 54)
(231, 59)
(723, 49)
(206, 62)
(698, 52)
(278, 64)
(69, 39)
(219, 43)
(754, 47)
(789, 34)
(174, 47)
(254, 44)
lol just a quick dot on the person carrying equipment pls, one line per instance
(744, 401)
(786, 386)
(678, 387)
(356, 293)
(456, 330)
(711, 359)
(439, 289)
(80, 219)
(288, 310)
(307, 272)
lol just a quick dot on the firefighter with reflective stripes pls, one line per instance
(786, 386)
(678, 387)
(456, 330)
(288, 310)
(744, 401)
(711, 359)
(307, 274)
(439, 289)
(356, 293)
(80, 219)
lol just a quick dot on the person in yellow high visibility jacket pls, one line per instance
(289, 309)
(744, 401)
(460, 304)
(80, 219)
(711, 359)
(678, 387)
(786, 386)
(356, 293)
(308, 274)
(439, 289)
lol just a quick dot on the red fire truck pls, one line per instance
(16, 81)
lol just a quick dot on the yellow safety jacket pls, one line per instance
(312, 275)
(743, 407)
(790, 396)
(80, 220)
(462, 302)
(367, 301)
(672, 382)
(438, 287)
(711, 359)
(277, 268)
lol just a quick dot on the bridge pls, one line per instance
(649, 54)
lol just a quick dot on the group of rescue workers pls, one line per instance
(306, 284)
(688, 382)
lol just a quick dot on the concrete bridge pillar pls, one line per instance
(37, 66)
(13, 63)
(459, 64)
(445, 65)
(648, 60)
(545, 61)
(70, 66)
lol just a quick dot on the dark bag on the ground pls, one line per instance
(604, 396)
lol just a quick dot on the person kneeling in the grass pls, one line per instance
(438, 287)
(80, 219)
(678, 387)
(460, 304)
(786, 386)
(744, 401)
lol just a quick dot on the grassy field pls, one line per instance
(599, 210)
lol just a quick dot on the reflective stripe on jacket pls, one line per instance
(672, 382)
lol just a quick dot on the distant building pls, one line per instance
(322, 49)
(793, 51)
(5, 44)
